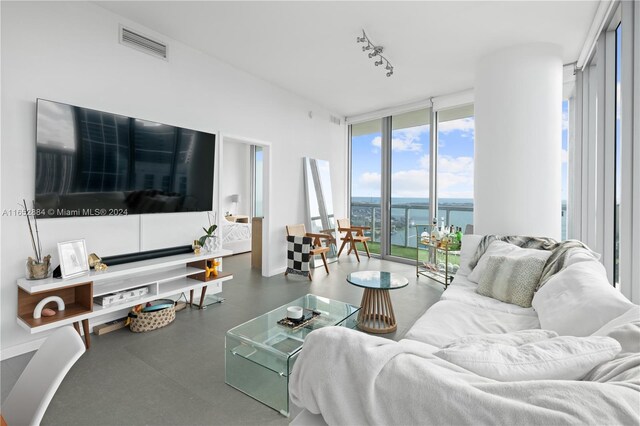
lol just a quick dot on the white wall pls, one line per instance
(236, 179)
(69, 52)
(518, 111)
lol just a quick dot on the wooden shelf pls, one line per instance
(70, 311)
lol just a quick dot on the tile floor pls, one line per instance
(175, 375)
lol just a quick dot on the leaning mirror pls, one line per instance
(321, 218)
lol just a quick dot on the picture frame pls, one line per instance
(73, 258)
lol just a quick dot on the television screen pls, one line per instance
(92, 163)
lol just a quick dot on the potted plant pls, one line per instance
(37, 268)
(207, 241)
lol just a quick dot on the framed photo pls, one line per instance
(73, 258)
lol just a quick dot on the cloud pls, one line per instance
(410, 184)
(425, 162)
(465, 125)
(405, 139)
(565, 156)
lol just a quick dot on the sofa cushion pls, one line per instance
(558, 358)
(579, 300)
(511, 280)
(448, 320)
(469, 246)
(464, 291)
(500, 248)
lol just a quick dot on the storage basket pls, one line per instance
(147, 321)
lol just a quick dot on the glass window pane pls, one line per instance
(366, 167)
(456, 138)
(257, 184)
(616, 249)
(564, 171)
(409, 179)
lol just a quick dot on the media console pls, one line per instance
(164, 277)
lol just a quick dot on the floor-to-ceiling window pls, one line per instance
(410, 134)
(564, 166)
(366, 178)
(455, 153)
(618, 116)
(393, 168)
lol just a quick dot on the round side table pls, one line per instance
(376, 311)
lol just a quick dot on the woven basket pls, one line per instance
(147, 321)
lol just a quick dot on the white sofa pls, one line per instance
(347, 377)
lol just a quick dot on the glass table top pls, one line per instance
(377, 280)
(266, 334)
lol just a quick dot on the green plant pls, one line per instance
(209, 234)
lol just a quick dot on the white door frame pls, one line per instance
(266, 183)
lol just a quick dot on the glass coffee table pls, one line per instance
(376, 311)
(259, 354)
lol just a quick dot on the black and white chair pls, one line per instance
(298, 255)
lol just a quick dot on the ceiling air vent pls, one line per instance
(335, 120)
(143, 43)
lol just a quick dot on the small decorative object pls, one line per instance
(46, 312)
(208, 240)
(213, 269)
(294, 312)
(93, 260)
(100, 267)
(306, 316)
(196, 247)
(73, 258)
(37, 268)
(37, 312)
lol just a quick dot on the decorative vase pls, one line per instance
(38, 270)
(210, 244)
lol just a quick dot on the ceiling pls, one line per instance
(310, 48)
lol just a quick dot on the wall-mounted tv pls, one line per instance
(91, 163)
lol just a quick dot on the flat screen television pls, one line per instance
(92, 163)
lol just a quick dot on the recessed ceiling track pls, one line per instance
(143, 43)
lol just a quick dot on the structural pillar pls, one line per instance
(518, 119)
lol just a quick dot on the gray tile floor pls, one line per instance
(175, 375)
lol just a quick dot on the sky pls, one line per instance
(410, 160)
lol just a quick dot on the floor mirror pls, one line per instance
(321, 218)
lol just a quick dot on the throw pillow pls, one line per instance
(500, 248)
(511, 280)
(579, 300)
(467, 250)
(558, 358)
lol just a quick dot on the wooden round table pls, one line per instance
(376, 311)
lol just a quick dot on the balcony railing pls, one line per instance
(404, 216)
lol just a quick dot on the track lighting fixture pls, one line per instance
(377, 52)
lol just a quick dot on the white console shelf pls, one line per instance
(164, 276)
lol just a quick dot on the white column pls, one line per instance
(518, 112)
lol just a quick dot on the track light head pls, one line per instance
(375, 51)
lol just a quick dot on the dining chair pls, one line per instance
(352, 235)
(30, 396)
(317, 247)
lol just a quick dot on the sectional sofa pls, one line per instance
(572, 357)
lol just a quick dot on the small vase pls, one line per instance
(38, 270)
(211, 244)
